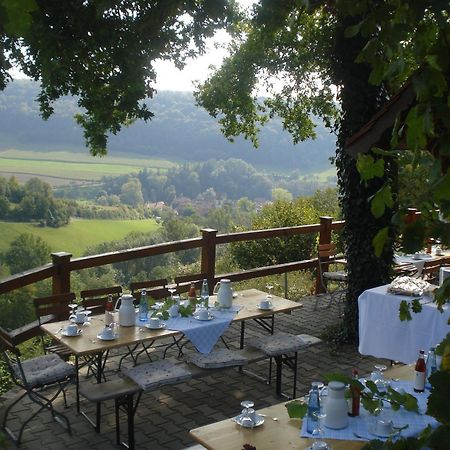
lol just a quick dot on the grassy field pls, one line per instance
(78, 235)
(73, 166)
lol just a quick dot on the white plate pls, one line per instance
(112, 338)
(394, 432)
(259, 420)
(161, 326)
(66, 334)
(210, 317)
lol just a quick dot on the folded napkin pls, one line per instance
(410, 286)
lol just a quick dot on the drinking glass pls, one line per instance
(172, 291)
(269, 287)
(246, 420)
(73, 308)
(318, 432)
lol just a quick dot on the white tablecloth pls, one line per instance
(363, 424)
(383, 335)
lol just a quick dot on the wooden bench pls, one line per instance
(126, 392)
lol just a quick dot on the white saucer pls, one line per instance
(394, 432)
(210, 317)
(80, 322)
(66, 334)
(259, 420)
(161, 326)
(265, 309)
(112, 338)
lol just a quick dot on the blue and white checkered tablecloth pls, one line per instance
(204, 334)
(361, 425)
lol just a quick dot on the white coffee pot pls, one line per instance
(336, 406)
(127, 313)
(225, 293)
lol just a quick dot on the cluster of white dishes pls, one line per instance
(155, 323)
(71, 330)
(107, 334)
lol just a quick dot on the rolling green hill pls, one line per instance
(180, 131)
(67, 166)
(78, 235)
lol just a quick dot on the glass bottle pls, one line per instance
(192, 296)
(109, 311)
(431, 366)
(313, 408)
(420, 373)
(205, 294)
(143, 306)
(355, 399)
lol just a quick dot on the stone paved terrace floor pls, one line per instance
(165, 416)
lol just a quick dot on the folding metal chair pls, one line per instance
(332, 282)
(33, 376)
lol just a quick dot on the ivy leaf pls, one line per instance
(296, 409)
(379, 240)
(404, 312)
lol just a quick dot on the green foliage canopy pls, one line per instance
(103, 52)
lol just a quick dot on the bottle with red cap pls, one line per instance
(355, 397)
(420, 373)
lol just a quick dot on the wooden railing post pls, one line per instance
(61, 280)
(324, 238)
(209, 255)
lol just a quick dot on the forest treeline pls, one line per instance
(180, 131)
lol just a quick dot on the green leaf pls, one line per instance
(441, 190)
(296, 409)
(416, 306)
(379, 240)
(370, 404)
(368, 168)
(411, 403)
(382, 199)
(353, 30)
(404, 312)
(19, 16)
(439, 396)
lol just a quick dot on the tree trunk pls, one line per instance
(359, 101)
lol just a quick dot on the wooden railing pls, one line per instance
(63, 265)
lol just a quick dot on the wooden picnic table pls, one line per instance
(277, 432)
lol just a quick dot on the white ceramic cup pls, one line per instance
(203, 314)
(265, 303)
(383, 427)
(107, 333)
(72, 329)
(154, 322)
(80, 317)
